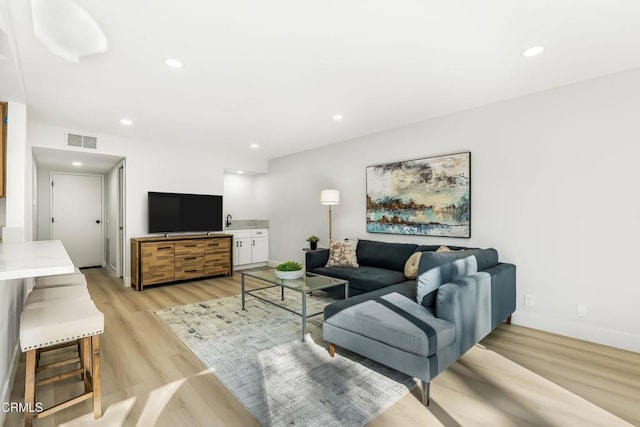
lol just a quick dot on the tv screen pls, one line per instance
(174, 212)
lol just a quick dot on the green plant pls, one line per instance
(289, 266)
(313, 238)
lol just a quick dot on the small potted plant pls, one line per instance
(313, 242)
(289, 270)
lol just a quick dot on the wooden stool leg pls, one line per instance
(85, 360)
(95, 375)
(332, 349)
(30, 387)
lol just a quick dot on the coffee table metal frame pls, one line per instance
(305, 285)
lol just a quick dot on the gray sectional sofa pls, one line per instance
(384, 322)
(381, 264)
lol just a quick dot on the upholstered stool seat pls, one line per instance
(57, 322)
(41, 297)
(74, 279)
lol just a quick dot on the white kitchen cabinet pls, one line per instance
(259, 245)
(250, 246)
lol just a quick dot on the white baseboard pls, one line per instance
(126, 282)
(246, 266)
(5, 396)
(610, 337)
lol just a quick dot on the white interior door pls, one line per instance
(76, 216)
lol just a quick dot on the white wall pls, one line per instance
(17, 170)
(13, 292)
(153, 167)
(111, 220)
(3, 212)
(244, 196)
(554, 189)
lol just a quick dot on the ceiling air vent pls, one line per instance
(81, 141)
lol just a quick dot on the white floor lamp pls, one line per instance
(330, 197)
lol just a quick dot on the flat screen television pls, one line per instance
(175, 212)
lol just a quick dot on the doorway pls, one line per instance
(76, 207)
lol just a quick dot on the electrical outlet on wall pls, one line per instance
(582, 310)
(529, 300)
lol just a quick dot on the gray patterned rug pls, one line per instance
(282, 381)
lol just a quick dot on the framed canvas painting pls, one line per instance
(428, 197)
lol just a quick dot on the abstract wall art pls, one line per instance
(429, 197)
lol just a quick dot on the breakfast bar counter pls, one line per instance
(20, 260)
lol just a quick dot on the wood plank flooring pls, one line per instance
(516, 376)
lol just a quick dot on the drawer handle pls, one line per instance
(191, 258)
(190, 246)
(162, 248)
(191, 271)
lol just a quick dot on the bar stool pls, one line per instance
(53, 324)
(73, 279)
(45, 296)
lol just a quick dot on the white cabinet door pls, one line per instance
(259, 249)
(242, 251)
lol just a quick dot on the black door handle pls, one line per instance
(97, 221)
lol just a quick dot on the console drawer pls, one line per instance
(189, 248)
(217, 245)
(188, 267)
(157, 262)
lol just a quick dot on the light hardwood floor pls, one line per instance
(516, 376)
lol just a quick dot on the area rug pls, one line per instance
(259, 356)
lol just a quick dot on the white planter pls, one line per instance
(289, 274)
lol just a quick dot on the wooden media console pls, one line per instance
(169, 259)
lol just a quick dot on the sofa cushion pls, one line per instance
(430, 280)
(411, 266)
(486, 258)
(343, 253)
(391, 256)
(397, 321)
(433, 248)
(363, 278)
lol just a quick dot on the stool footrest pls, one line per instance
(58, 364)
(59, 377)
(64, 405)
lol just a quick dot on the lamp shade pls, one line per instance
(330, 197)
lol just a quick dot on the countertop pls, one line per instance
(32, 259)
(244, 227)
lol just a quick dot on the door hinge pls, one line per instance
(51, 220)
(52, 183)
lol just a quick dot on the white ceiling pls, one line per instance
(61, 160)
(274, 72)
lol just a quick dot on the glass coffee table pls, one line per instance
(305, 285)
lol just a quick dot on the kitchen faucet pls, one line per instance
(229, 220)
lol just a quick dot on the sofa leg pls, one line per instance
(425, 392)
(509, 320)
(332, 349)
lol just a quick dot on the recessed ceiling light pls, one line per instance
(174, 63)
(254, 146)
(240, 172)
(533, 51)
(126, 122)
(337, 117)
(76, 163)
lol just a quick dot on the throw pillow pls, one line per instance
(342, 253)
(431, 280)
(444, 248)
(411, 266)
